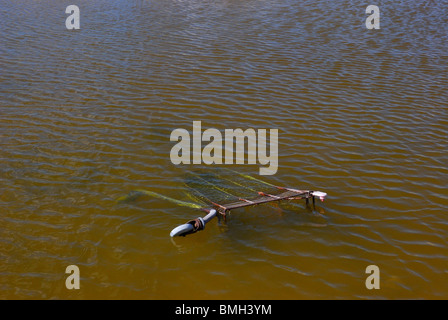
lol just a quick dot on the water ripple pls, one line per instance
(86, 118)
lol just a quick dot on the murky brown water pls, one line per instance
(86, 117)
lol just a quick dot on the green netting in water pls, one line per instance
(207, 188)
(226, 186)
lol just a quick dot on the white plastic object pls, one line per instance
(180, 230)
(319, 194)
(188, 227)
